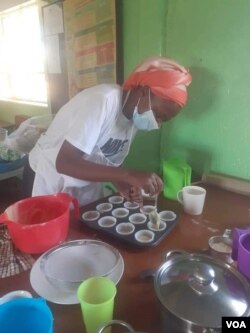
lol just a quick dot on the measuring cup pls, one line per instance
(129, 328)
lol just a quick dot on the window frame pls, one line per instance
(18, 96)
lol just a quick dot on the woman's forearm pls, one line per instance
(70, 162)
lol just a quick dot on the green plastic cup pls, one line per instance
(96, 296)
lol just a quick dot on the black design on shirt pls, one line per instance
(113, 147)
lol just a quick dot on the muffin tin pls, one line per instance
(127, 221)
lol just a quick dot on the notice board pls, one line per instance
(90, 42)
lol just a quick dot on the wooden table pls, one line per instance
(136, 301)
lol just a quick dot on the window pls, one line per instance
(22, 69)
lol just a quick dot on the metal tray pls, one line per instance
(130, 239)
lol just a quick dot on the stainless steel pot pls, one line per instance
(195, 291)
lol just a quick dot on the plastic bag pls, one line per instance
(176, 175)
(24, 138)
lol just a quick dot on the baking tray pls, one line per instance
(130, 238)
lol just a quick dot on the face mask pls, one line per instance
(145, 121)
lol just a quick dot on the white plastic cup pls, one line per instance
(192, 198)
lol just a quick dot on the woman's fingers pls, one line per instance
(150, 182)
(154, 185)
(131, 187)
(136, 196)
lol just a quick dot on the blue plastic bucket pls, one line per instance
(26, 315)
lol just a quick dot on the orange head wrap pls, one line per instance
(166, 79)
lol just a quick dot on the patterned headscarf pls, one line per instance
(165, 77)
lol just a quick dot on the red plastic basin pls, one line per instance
(38, 223)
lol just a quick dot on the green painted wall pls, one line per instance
(143, 31)
(211, 37)
(8, 110)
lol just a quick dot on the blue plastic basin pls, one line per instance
(26, 315)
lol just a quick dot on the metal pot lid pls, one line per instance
(200, 289)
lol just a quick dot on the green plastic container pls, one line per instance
(176, 175)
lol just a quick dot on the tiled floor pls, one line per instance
(10, 192)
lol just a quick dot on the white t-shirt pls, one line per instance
(93, 122)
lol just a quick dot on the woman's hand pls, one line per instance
(132, 194)
(136, 195)
(151, 183)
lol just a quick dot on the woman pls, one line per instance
(90, 136)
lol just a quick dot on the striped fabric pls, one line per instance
(12, 261)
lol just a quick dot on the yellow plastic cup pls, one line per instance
(96, 296)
